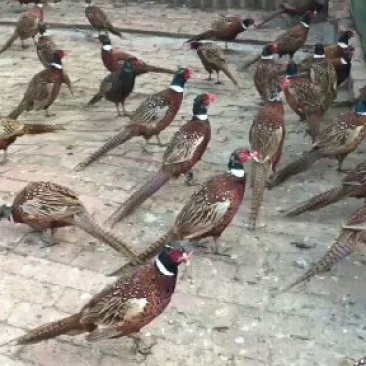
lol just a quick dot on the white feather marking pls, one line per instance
(342, 45)
(244, 26)
(58, 66)
(202, 117)
(46, 33)
(319, 56)
(305, 25)
(39, 5)
(162, 268)
(343, 61)
(270, 57)
(361, 113)
(107, 47)
(237, 172)
(222, 207)
(176, 88)
(135, 308)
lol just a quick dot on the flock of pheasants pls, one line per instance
(309, 88)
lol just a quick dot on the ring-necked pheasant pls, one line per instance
(209, 210)
(353, 234)
(150, 118)
(118, 85)
(353, 185)
(183, 152)
(343, 65)
(11, 129)
(227, 33)
(45, 46)
(305, 98)
(46, 205)
(266, 75)
(114, 58)
(337, 50)
(122, 308)
(337, 140)
(44, 87)
(27, 25)
(213, 59)
(98, 19)
(293, 8)
(266, 136)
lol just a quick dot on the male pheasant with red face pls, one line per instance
(210, 210)
(183, 152)
(48, 206)
(98, 19)
(27, 25)
(114, 58)
(213, 59)
(44, 88)
(337, 50)
(118, 85)
(227, 33)
(337, 140)
(352, 235)
(151, 117)
(266, 75)
(11, 129)
(353, 185)
(266, 136)
(343, 65)
(121, 309)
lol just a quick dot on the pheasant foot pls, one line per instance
(141, 345)
(48, 239)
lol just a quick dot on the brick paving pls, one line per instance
(226, 315)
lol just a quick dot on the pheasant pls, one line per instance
(118, 85)
(183, 152)
(352, 235)
(46, 205)
(45, 46)
(343, 65)
(122, 308)
(209, 210)
(295, 7)
(151, 117)
(266, 136)
(98, 19)
(353, 185)
(305, 98)
(113, 59)
(337, 140)
(361, 362)
(43, 89)
(337, 50)
(10, 130)
(27, 25)
(266, 75)
(227, 33)
(213, 59)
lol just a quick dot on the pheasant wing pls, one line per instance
(213, 54)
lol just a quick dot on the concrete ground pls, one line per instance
(226, 315)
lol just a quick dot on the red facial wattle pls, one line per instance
(188, 74)
(210, 98)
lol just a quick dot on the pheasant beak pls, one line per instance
(187, 258)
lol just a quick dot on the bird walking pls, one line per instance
(11, 129)
(27, 25)
(121, 309)
(48, 206)
(117, 86)
(337, 140)
(353, 185)
(98, 19)
(150, 118)
(213, 59)
(182, 153)
(210, 209)
(266, 136)
(44, 88)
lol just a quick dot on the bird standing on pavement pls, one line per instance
(98, 19)
(182, 153)
(150, 118)
(122, 308)
(213, 59)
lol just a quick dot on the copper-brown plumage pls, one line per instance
(343, 65)
(44, 88)
(352, 185)
(337, 50)
(45, 46)
(181, 155)
(27, 26)
(11, 129)
(266, 137)
(122, 308)
(213, 59)
(47, 205)
(336, 141)
(210, 210)
(99, 19)
(352, 234)
(150, 118)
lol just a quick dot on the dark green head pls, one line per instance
(201, 103)
(269, 50)
(5, 212)
(104, 40)
(181, 77)
(306, 19)
(170, 258)
(360, 107)
(319, 51)
(247, 22)
(238, 158)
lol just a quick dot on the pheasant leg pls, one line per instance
(48, 114)
(210, 76)
(191, 180)
(218, 78)
(5, 157)
(141, 346)
(218, 250)
(128, 114)
(48, 238)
